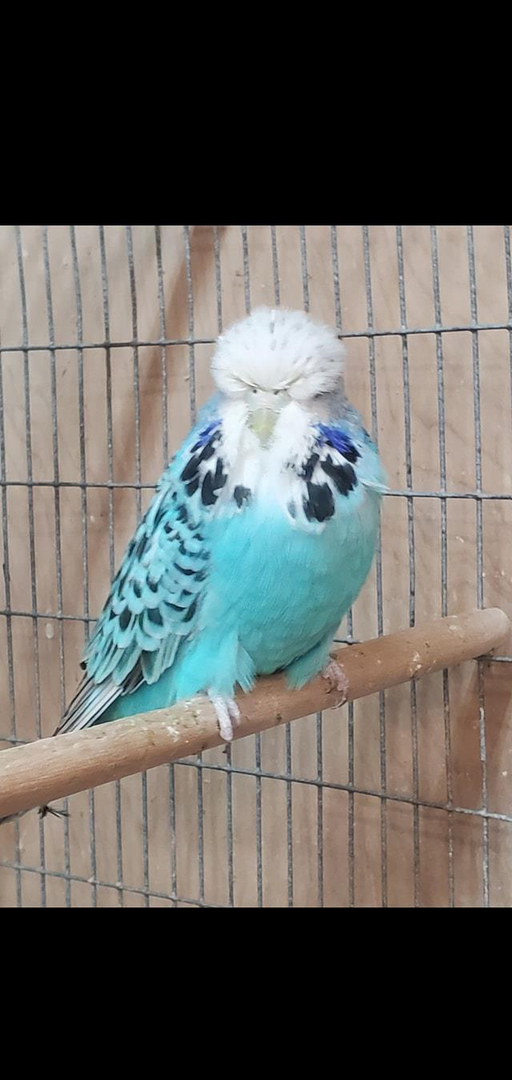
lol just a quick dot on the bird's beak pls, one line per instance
(263, 422)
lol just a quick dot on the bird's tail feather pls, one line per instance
(43, 812)
(13, 817)
(88, 705)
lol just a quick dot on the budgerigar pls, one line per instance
(258, 540)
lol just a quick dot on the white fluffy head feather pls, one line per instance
(279, 350)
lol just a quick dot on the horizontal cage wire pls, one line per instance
(106, 332)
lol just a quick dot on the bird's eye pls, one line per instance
(255, 390)
(276, 393)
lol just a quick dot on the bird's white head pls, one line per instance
(275, 358)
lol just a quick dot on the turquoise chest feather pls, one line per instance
(287, 587)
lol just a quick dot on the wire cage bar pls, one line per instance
(105, 336)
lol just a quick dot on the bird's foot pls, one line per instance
(228, 715)
(333, 673)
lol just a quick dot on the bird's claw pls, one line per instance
(333, 674)
(228, 715)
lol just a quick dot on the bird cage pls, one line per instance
(402, 798)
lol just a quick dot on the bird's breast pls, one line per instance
(283, 587)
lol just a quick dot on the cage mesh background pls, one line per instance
(106, 334)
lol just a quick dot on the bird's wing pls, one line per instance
(155, 600)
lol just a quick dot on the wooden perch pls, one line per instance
(51, 769)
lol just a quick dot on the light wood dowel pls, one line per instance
(51, 769)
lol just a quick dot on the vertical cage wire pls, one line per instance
(111, 543)
(441, 426)
(479, 547)
(378, 565)
(32, 548)
(27, 350)
(9, 637)
(138, 497)
(84, 513)
(412, 550)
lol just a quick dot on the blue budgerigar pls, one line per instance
(258, 540)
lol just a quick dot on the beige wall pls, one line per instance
(425, 745)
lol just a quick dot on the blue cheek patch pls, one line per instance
(205, 435)
(339, 440)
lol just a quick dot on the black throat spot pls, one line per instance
(241, 495)
(319, 504)
(343, 476)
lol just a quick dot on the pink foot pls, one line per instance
(333, 673)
